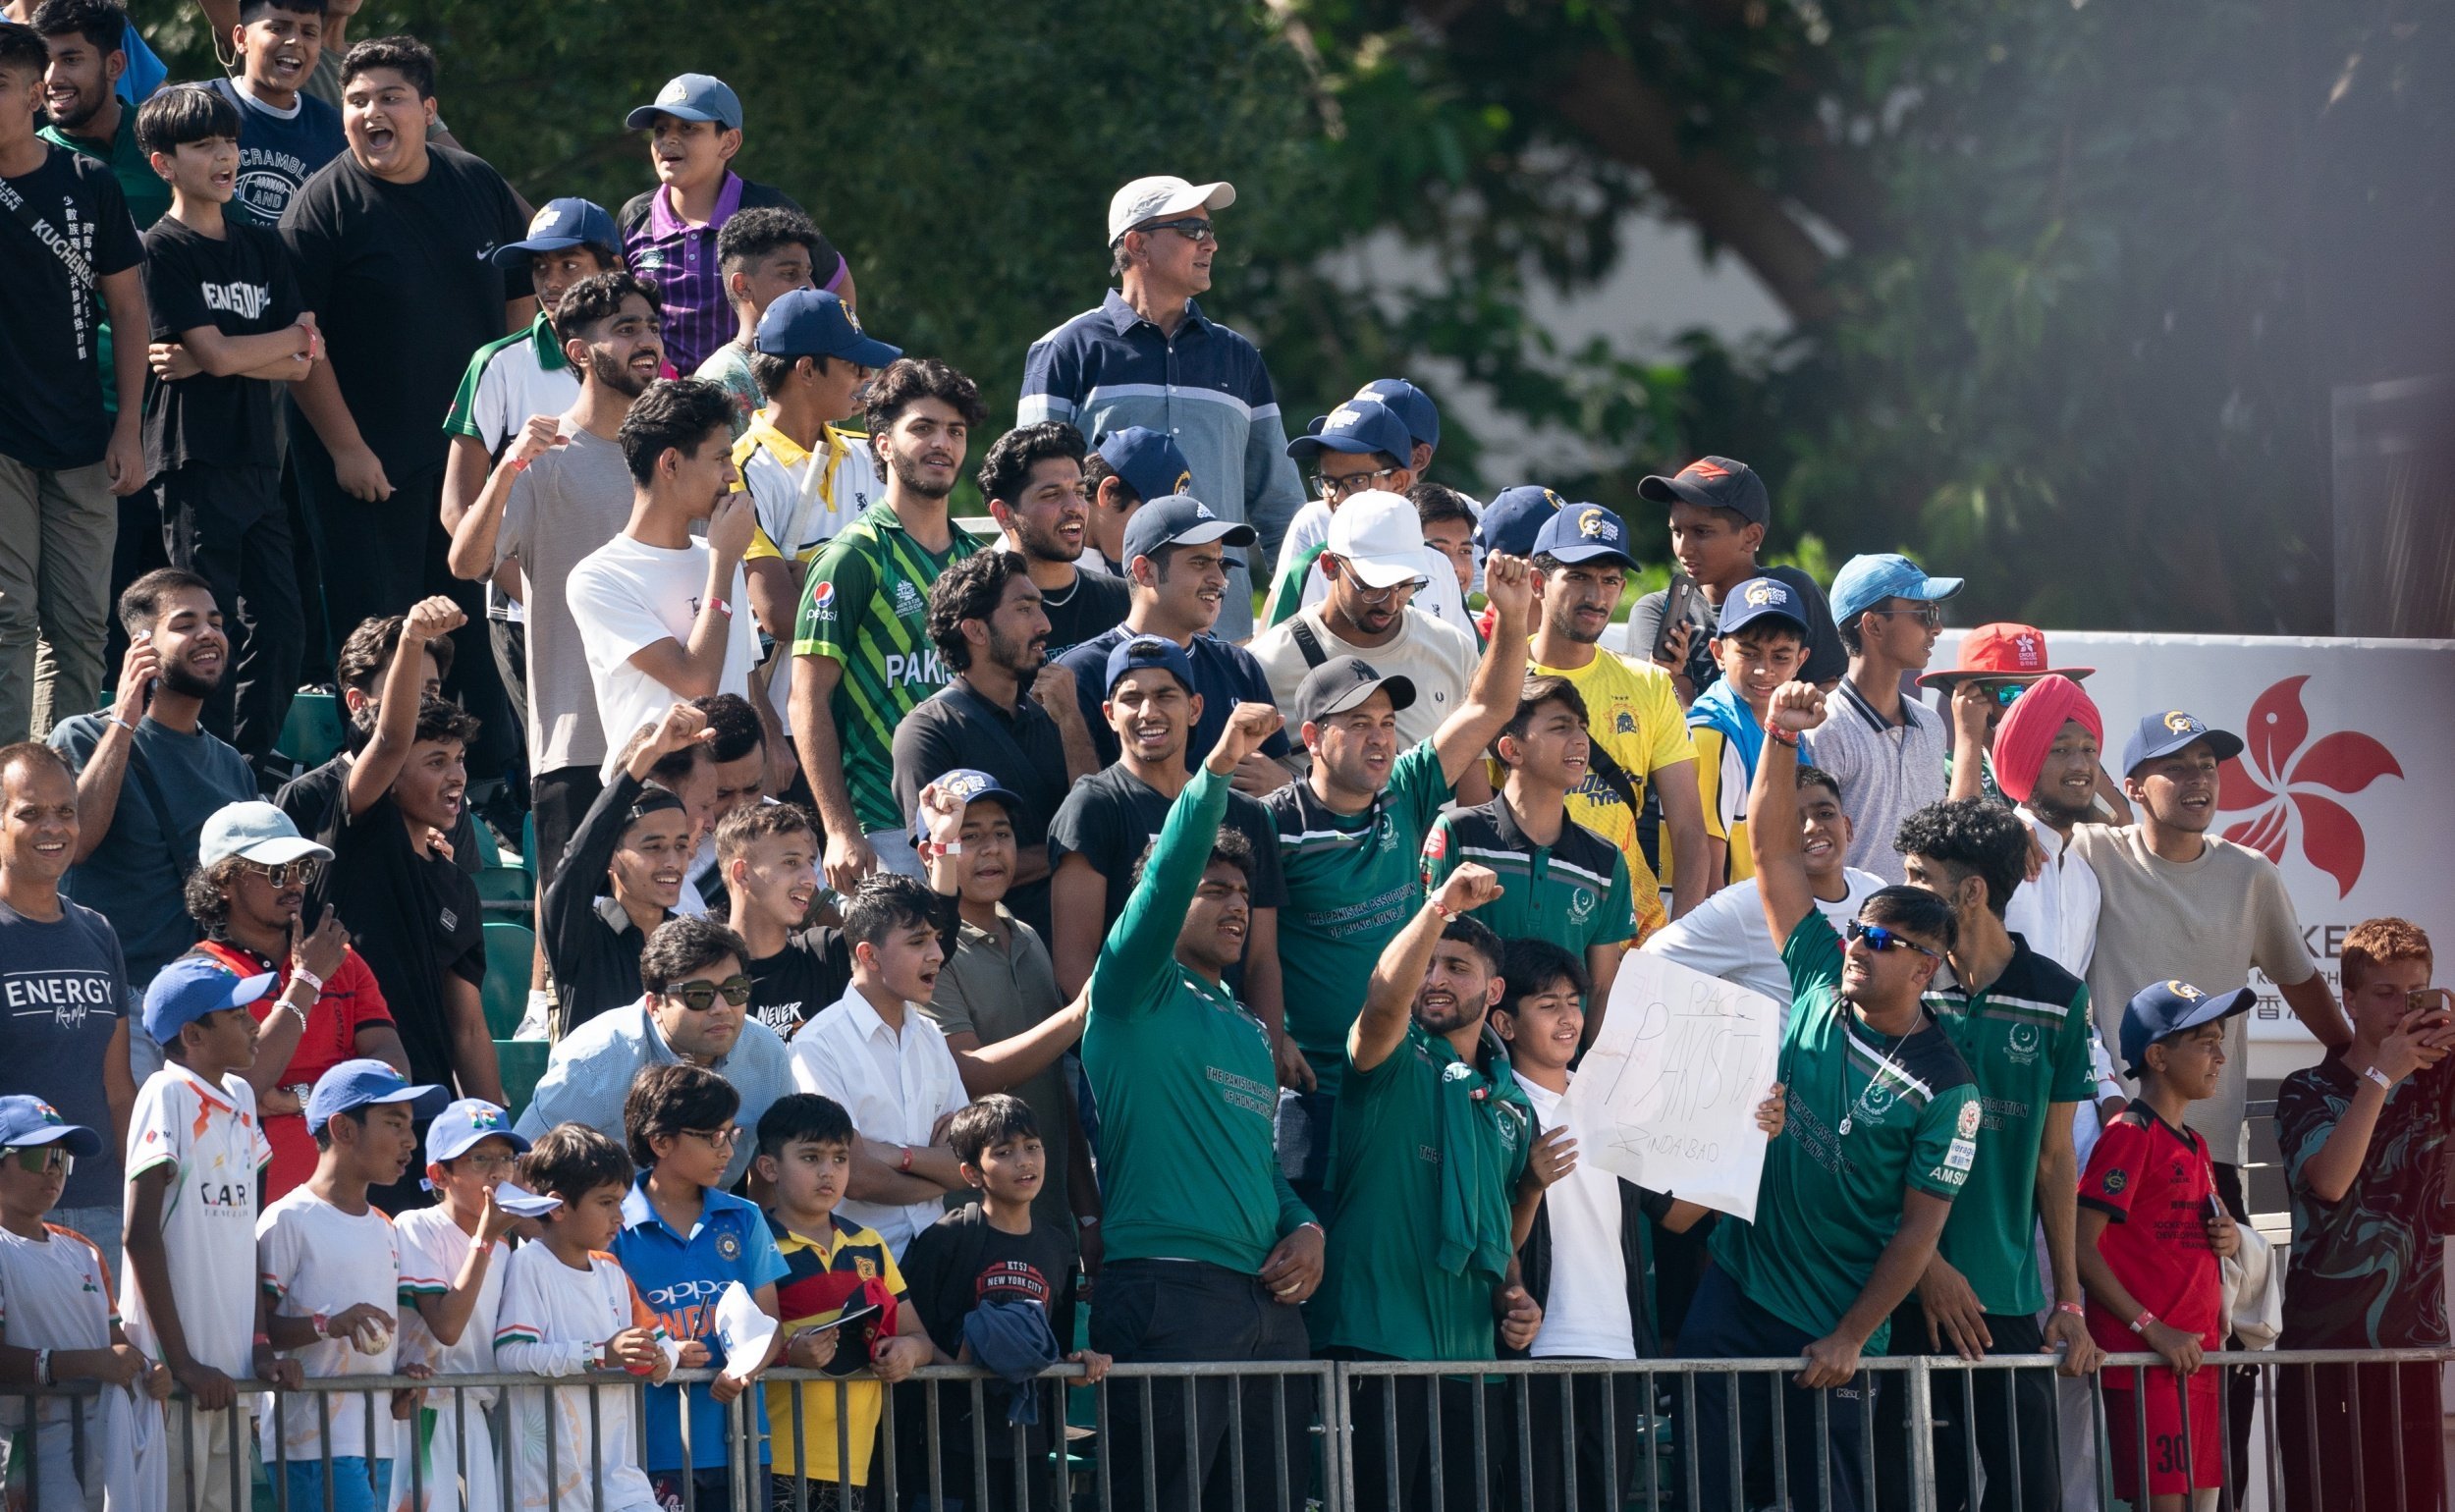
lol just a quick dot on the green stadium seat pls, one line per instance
(523, 1065)
(506, 889)
(510, 950)
(312, 733)
(489, 853)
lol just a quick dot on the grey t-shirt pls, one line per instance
(1887, 771)
(136, 877)
(569, 501)
(64, 990)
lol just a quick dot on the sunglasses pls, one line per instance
(296, 873)
(1340, 488)
(2006, 694)
(1928, 615)
(1879, 940)
(1192, 228)
(699, 996)
(43, 1159)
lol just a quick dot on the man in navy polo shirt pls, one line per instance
(1147, 355)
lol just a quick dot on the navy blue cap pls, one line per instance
(1867, 581)
(466, 1123)
(1413, 405)
(1148, 651)
(561, 225)
(1357, 426)
(193, 985)
(1514, 518)
(691, 97)
(2162, 734)
(966, 784)
(1179, 519)
(28, 1121)
(1759, 598)
(1148, 459)
(363, 1083)
(2169, 1008)
(813, 323)
(1714, 483)
(1585, 533)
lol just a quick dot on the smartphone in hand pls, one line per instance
(1676, 601)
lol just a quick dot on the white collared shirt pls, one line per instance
(2057, 912)
(896, 1085)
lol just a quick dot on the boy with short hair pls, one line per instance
(833, 1266)
(362, 670)
(452, 1260)
(285, 133)
(768, 856)
(223, 303)
(56, 1289)
(568, 1308)
(1720, 511)
(2152, 1235)
(195, 1151)
(760, 254)
(1125, 469)
(687, 1240)
(331, 1273)
(1761, 644)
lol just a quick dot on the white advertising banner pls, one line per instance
(2346, 782)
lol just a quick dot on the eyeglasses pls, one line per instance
(718, 1139)
(298, 872)
(1384, 595)
(1928, 615)
(699, 996)
(484, 1163)
(1879, 940)
(43, 1159)
(1340, 488)
(1192, 228)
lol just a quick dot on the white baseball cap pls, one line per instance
(1158, 198)
(257, 830)
(1381, 536)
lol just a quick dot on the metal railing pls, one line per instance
(1337, 1436)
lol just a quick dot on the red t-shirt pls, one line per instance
(2154, 1184)
(351, 1001)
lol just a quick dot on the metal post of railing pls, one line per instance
(1921, 1405)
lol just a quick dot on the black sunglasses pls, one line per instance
(1879, 940)
(1192, 228)
(699, 996)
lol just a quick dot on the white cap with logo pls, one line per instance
(1381, 537)
(1160, 197)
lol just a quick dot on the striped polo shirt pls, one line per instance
(1573, 892)
(678, 259)
(1887, 771)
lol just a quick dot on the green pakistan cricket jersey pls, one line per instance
(1830, 1197)
(866, 605)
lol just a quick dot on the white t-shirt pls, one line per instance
(895, 1084)
(432, 1250)
(624, 597)
(1311, 529)
(1727, 936)
(1586, 1315)
(553, 1321)
(215, 1145)
(55, 1293)
(1438, 658)
(317, 1259)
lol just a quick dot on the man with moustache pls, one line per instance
(1033, 480)
(862, 654)
(559, 489)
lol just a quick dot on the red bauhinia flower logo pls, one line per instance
(2276, 776)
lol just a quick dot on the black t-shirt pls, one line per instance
(955, 726)
(801, 981)
(52, 413)
(415, 921)
(963, 1261)
(313, 799)
(402, 286)
(1093, 606)
(1111, 817)
(240, 285)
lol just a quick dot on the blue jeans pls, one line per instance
(353, 1489)
(1724, 1324)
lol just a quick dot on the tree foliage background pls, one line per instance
(2070, 282)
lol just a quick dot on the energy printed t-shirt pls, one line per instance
(240, 285)
(52, 413)
(62, 989)
(1829, 1201)
(866, 606)
(278, 151)
(1384, 1289)
(1632, 712)
(210, 1137)
(1186, 1088)
(2026, 1039)
(1573, 892)
(1352, 880)
(2364, 1267)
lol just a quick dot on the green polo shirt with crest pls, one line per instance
(1573, 892)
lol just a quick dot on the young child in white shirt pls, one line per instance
(569, 1309)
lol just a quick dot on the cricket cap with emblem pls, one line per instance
(1761, 598)
(2162, 734)
(1139, 651)
(254, 830)
(813, 323)
(1345, 681)
(1714, 483)
(1180, 519)
(2169, 1007)
(691, 97)
(366, 1083)
(26, 1123)
(1515, 516)
(1379, 537)
(1148, 459)
(1160, 197)
(1413, 406)
(2003, 652)
(561, 225)
(193, 985)
(465, 1124)
(1867, 581)
(1356, 428)
(1585, 533)
(966, 784)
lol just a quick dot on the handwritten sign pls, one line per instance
(1666, 1096)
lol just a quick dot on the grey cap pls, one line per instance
(1342, 682)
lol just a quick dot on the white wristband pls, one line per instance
(2385, 1082)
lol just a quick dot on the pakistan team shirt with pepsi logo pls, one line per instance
(1871, 1119)
(866, 606)
(681, 1277)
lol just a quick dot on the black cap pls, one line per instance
(1339, 684)
(1714, 483)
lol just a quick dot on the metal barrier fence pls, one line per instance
(2328, 1431)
